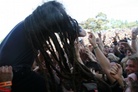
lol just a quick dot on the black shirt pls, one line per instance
(15, 49)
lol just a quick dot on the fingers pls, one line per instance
(6, 69)
(92, 38)
(119, 66)
(10, 69)
(3, 69)
(114, 68)
(90, 34)
(6, 73)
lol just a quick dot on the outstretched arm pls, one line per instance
(134, 39)
(103, 61)
(100, 42)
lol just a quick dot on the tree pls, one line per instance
(100, 22)
(96, 24)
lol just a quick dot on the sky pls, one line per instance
(14, 11)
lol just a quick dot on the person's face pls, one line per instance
(121, 46)
(131, 67)
(128, 53)
(131, 77)
(111, 50)
(106, 49)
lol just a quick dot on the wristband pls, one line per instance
(4, 89)
(5, 84)
(95, 47)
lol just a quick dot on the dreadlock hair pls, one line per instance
(49, 24)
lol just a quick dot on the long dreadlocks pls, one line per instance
(42, 27)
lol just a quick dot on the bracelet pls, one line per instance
(5, 84)
(4, 89)
(95, 47)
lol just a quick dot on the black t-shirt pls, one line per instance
(15, 49)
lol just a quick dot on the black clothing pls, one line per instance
(15, 49)
(25, 80)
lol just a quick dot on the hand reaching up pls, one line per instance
(92, 39)
(134, 33)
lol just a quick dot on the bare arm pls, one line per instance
(103, 61)
(100, 42)
(134, 39)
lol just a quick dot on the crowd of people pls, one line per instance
(43, 53)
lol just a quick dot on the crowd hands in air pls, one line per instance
(115, 64)
(118, 61)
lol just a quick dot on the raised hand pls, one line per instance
(92, 39)
(134, 33)
(99, 34)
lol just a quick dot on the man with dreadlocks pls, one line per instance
(20, 48)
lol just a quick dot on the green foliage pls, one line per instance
(97, 23)
(100, 22)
